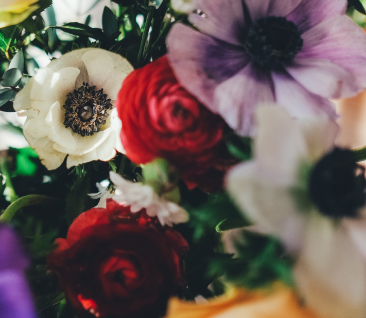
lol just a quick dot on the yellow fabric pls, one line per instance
(239, 303)
(15, 11)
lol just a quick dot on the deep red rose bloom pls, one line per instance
(115, 264)
(161, 119)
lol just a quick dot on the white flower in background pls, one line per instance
(103, 194)
(311, 196)
(69, 108)
(140, 196)
(184, 6)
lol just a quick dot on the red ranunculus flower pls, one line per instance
(161, 119)
(115, 264)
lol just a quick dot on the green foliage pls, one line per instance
(240, 147)
(6, 94)
(357, 5)
(110, 23)
(260, 261)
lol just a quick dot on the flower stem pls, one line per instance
(360, 154)
(28, 200)
(144, 36)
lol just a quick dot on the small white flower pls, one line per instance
(330, 270)
(103, 195)
(140, 196)
(68, 114)
(184, 6)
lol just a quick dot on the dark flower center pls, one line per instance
(86, 110)
(273, 42)
(337, 184)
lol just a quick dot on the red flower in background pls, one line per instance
(161, 119)
(117, 264)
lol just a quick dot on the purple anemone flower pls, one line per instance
(15, 296)
(296, 53)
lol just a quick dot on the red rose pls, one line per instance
(161, 119)
(117, 264)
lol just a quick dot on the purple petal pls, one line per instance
(298, 101)
(323, 78)
(12, 253)
(312, 12)
(279, 8)
(340, 41)
(15, 296)
(236, 98)
(217, 11)
(200, 62)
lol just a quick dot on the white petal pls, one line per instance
(280, 144)
(72, 59)
(22, 99)
(107, 150)
(357, 232)
(41, 85)
(50, 158)
(106, 70)
(56, 129)
(34, 127)
(73, 160)
(268, 202)
(331, 273)
(86, 144)
(320, 133)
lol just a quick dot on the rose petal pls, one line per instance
(236, 98)
(106, 70)
(312, 12)
(331, 273)
(268, 202)
(298, 101)
(216, 11)
(340, 41)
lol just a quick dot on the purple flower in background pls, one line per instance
(297, 53)
(15, 297)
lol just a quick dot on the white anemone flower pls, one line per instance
(184, 6)
(69, 108)
(283, 191)
(139, 196)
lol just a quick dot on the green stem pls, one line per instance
(9, 188)
(144, 36)
(360, 154)
(28, 200)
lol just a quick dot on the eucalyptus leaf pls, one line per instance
(109, 21)
(11, 78)
(24, 80)
(18, 61)
(6, 94)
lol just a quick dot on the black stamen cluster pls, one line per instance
(337, 184)
(86, 110)
(273, 42)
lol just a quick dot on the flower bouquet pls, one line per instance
(182, 159)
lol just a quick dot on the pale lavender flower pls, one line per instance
(15, 297)
(297, 53)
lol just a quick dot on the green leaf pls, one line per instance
(109, 21)
(18, 61)
(26, 162)
(24, 80)
(239, 147)
(6, 94)
(77, 199)
(8, 36)
(79, 29)
(11, 78)
(357, 4)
